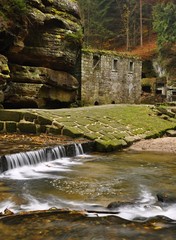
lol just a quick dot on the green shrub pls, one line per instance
(19, 5)
(74, 37)
(13, 8)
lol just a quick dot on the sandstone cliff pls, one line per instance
(39, 51)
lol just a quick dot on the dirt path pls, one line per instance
(165, 144)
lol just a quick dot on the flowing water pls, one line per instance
(91, 182)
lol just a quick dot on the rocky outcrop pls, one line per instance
(42, 48)
(168, 62)
(4, 77)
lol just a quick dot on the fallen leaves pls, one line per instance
(12, 143)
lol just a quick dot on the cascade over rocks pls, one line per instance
(41, 49)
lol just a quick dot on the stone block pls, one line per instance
(11, 127)
(88, 146)
(71, 132)
(70, 150)
(29, 117)
(1, 126)
(1, 96)
(41, 129)
(27, 128)
(166, 112)
(6, 115)
(54, 130)
(171, 133)
(43, 121)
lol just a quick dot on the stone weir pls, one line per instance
(110, 127)
(16, 160)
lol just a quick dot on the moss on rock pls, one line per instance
(11, 127)
(27, 128)
(1, 126)
(127, 124)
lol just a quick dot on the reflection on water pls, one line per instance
(93, 181)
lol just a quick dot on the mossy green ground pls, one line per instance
(111, 126)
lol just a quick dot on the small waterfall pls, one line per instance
(79, 149)
(17, 160)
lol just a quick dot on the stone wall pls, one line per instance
(26, 122)
(109, 78)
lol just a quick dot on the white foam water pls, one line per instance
(138, 211)
(49, 170)
(7, 205)
(145, 208)
(43, 163)
(32, 203)
(79, 149)
(21, 159)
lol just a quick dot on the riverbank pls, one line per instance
(15, 143)
(111, 127)
(165, 144)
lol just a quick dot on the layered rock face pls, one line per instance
(4, 77)
(39, 52)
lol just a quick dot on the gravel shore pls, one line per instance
(165, 144)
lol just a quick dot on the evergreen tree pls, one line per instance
(164, 16)
(114, 23)
(95, 21)
(14, 7)
(165, 26)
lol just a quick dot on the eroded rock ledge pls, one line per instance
(39, 53)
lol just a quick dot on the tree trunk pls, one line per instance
(141, 27)
(127, 32)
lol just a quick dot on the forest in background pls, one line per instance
(127, 24)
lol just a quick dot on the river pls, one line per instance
(92, 182)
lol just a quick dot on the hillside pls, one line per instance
(145, 52)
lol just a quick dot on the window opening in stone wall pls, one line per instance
(96, 62)
(173, 95)
(131, 66)
(160, 85)
(115, 65)
(146, 89)
(96, 103)
(158, 91)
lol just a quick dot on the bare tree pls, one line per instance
(141, 24)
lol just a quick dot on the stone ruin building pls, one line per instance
(109, 78)
(157, 86)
